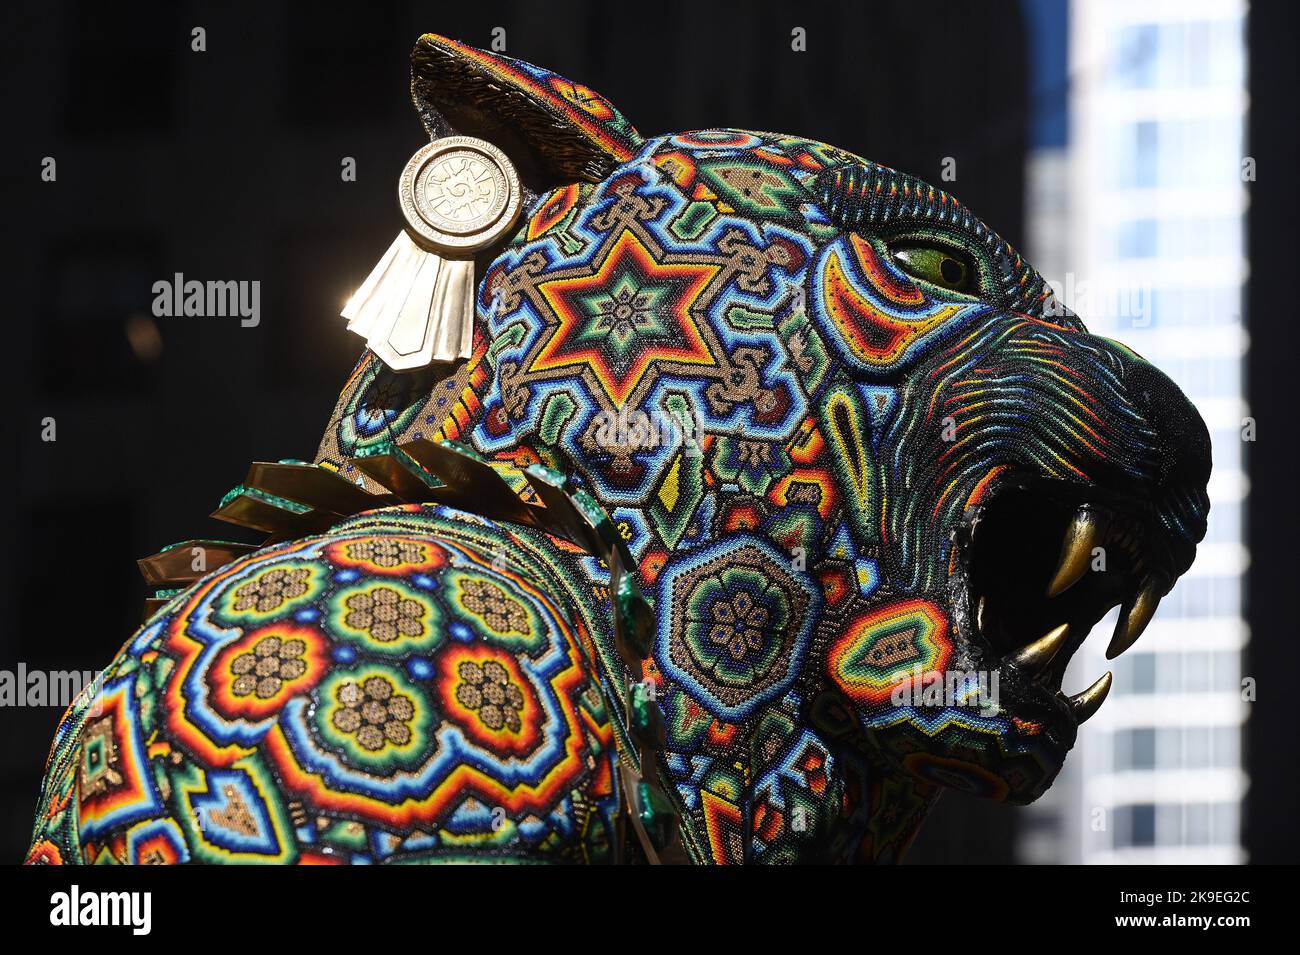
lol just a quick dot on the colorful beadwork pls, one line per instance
(707, 333)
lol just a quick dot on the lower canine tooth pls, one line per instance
(1133, 619)
(1089, 701)
(1037, 655)
(1076, 552)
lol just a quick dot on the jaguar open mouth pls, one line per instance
(1043, 561)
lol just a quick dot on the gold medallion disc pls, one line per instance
(458, 195)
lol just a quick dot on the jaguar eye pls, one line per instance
(938, 265)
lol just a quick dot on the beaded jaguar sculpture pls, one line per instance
(772, 498)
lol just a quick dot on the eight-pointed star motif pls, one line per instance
(628, 314)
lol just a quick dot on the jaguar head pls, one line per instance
(879, 483)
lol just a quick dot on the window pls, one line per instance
(1139, 164)
(1135, 825)
(1186, 308)
(1135, 749)
(1137, 239)
(1136, 672)
(1136, 68)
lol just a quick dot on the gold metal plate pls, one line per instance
(314, 486)
(175, 566)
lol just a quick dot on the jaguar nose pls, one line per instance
(1183, 443)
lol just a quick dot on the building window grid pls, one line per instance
(1178, 60)
(1148, 672)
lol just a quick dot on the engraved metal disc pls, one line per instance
(459, 194)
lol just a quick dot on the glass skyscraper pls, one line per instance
(1142, 199)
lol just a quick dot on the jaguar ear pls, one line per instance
(504, 132)
(554, 130)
